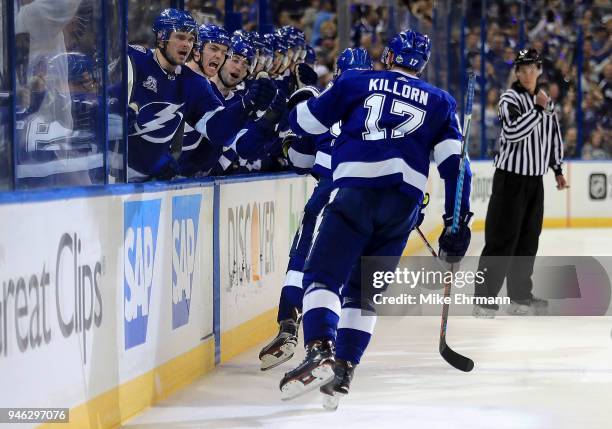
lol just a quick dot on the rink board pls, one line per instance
(114, 298)
(258, 220)
(587, 203)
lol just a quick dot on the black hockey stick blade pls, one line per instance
(454, 359)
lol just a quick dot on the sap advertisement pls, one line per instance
(167, 261)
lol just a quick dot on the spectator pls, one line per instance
(326, 13)
(595, 150)
(605, 85)
(308, 19)
(367, 27)
(570, 143)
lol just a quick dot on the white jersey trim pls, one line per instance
(201, 124)
(68, 165)
(446, 148)
(372, 170)
(352, 318)
(299, 159)
(323, 159)
(294, 278)
(307, 121)
(322, 298)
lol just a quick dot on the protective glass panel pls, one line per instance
(5, 137)
(115, 96)
(141, 14)
(205, 12)
(58, 96)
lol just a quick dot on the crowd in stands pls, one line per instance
(551, 26)
(573, 37)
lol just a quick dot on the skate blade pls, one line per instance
(269, 361)
(294, 388)
(331, 402)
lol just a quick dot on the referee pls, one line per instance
(530, 143)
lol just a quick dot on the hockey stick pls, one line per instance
(454, 359)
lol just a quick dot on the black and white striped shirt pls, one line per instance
(530, 140)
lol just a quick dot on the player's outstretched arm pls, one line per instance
(317, 114)
(220, 124)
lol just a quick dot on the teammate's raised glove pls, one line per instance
(259, 96)
(305, 76)
(277, 109)
(301, 95)
(454, 246)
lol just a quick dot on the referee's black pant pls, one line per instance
(512, 228)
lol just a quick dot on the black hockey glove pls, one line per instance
(421, 216)
(277, 110)
(305, 76)
(454, 246)
(288, 141)
(301, 95)
(259, 96)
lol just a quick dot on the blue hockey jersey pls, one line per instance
(164, 101)
(201, 156)
(391, 123)
(312, 154)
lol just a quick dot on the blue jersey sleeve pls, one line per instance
(255, 139)
(302, 154)
(447, 155)
(208, 115)
(317, 115)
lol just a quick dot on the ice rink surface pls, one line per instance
(532, 372)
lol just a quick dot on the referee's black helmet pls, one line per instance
(527, 56)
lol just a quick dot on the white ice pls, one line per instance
(533, 372)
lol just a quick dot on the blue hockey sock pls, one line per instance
(321, 315)
(354, 332)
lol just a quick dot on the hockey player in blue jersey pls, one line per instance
(391, 122)
(200, 156)
(309, 154)
(210, 50)
(164, 95)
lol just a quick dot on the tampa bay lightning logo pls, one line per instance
(192, 138)
(158, 122)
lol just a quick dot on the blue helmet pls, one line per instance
(280, 44)
(212, 33)
(265, 45)
(294, 37)
(268, 41)
(311, 56)
(240, 46)
(410, 49)
(71, 66)
(249, 36)
(170, 20)
(256, 40)
(354, 58)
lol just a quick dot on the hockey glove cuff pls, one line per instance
(454, 246)
(421, 215)
(288, 141)
(301, 95)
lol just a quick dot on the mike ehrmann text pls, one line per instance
(458, 299)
